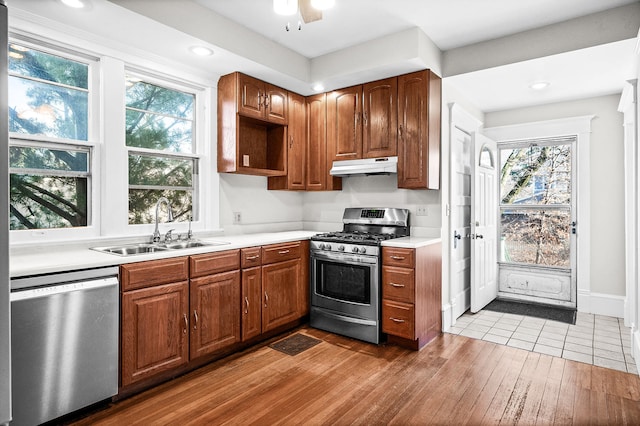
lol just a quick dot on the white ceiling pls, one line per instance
(448, 23)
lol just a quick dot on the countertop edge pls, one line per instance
(40, 261)
(411, 242)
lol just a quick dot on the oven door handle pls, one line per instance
(345, 258)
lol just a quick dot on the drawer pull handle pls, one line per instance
(397, 257)
(283, 252)
(396, 285)
(399, 321)
(257, 256)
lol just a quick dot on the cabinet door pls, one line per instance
(419, 130)
(275, 102)
(317, 168)
(215, 312)
(344, 129)
(380, 118)
(297, 142)
(154, 330)
(280, 293)
(250, 96)
(251, 302)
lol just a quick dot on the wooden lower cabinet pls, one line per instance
(411, 294)
(180, 313)
(154, 330)
(275, 292)
(280, 284)
(215, 312)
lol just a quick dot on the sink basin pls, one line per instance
(184, 244)
(131, 249)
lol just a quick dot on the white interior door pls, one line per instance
(460, 220)
(484, 218)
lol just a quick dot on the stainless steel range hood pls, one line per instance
(367, 166)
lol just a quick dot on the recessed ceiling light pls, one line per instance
(76, 4)
(323, 4)
(201, 51)
(285, 7)
(318, 87)
(539, 85)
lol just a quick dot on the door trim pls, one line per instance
(452, 305)
(581, 127)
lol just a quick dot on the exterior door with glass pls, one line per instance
(538, 229)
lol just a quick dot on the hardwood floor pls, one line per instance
(452, 380)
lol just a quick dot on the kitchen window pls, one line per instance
(50, 156)
(162, 156)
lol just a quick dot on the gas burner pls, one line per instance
(353, 237)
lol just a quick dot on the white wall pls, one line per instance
(323, 210)
(260, 210)
(607, 180)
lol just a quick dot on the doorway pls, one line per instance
(537, 221)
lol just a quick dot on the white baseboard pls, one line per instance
(447, 321)
(635, 342)
(601, 304)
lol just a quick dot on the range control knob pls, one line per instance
(363, 250)
(327, 247)
(321, 246)
(340, 247)
(355, 249)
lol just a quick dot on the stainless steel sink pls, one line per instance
(145, 248)
(131, 249)
(184, 244)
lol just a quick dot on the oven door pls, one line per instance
(345, 283)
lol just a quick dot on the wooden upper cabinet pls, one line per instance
(419, 112)
(296, 147)
(261, 100)
(344, 126)
(252, 126)
(317, 171)
(380, 118)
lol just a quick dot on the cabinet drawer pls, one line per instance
(398, 319)
(153, 272)
(280, 252)
(250, 257)
(398, 257)
(212, 263)
(398, 284)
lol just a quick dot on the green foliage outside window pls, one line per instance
(48, 98)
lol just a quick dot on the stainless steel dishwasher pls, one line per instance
(64, 343)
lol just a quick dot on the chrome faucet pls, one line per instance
(156, 233)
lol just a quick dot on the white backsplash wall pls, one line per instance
(260, 210)
(322, 211)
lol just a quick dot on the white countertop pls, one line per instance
(50, 259)
(411, 242)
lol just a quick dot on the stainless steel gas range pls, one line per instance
(346, 268)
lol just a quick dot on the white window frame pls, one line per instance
(107, 118)
(92, 142)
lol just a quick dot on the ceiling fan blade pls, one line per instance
(309, 14)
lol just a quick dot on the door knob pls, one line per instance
(456, 237)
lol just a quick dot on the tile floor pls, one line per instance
(594, 339)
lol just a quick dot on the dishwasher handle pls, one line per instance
(34, 293)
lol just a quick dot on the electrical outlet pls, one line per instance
(236, 217)
(421, 211)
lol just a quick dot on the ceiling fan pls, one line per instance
(310, 10)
